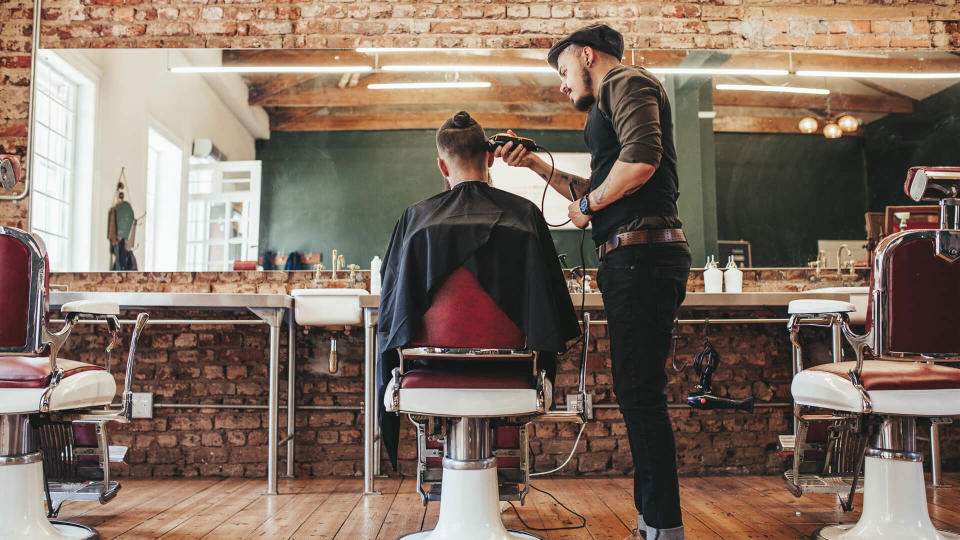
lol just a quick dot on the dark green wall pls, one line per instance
(784, 192)
(896, 142)
(345, 190)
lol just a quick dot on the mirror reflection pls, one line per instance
(165, 160)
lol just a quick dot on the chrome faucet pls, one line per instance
(818, 264)
(337, 262)
(354, 282)
(317, 274)
(848, 261)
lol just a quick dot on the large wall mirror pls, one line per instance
(225, 156)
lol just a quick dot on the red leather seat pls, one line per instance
(463, 379)
(886, 375)
(34, 371)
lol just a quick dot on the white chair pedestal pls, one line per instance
(22, 510)
(894, 505)
(470, 509)
(470, 500)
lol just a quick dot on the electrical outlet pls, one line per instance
(572, 404)
(142, 405)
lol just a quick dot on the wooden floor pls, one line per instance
(714, 507)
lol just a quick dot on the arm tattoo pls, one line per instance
(581, 185)
(601, 193)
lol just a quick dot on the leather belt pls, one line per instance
(643, 236)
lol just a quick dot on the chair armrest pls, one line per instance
(91, 307)
(816, 307)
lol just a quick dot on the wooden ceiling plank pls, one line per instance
(838, 102)
(567, 121)
(348, 97)
(884, 90)
(753, 124)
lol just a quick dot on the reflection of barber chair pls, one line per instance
(876, 399)
(471, 389)
(53, 439)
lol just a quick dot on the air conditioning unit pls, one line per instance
(204, 148)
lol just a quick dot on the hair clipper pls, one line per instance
(501, 139)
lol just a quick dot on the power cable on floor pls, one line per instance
(583, 520)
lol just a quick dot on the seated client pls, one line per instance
(500, 238)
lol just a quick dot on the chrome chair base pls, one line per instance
(427, 535)
(835, 532)
(75, 530)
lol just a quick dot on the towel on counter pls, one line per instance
(503, 240)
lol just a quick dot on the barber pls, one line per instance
(631, 201)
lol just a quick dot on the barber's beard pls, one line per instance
(584, 102)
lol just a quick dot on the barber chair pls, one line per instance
(874, 401)
(54, 444)
(471, 388)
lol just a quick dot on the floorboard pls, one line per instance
(742, 507)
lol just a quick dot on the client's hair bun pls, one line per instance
(462, 119)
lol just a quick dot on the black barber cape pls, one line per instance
(503, 240)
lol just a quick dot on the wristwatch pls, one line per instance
(585, 206)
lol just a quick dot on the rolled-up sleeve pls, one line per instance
(632, 104)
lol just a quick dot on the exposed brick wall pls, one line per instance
(227, 365)
(718, 24)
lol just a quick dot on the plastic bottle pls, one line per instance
(375, 275)
(712, 277)
(732, 277)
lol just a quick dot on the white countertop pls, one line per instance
(132, 300)
(693, 299)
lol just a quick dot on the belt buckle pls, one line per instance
(614, 242)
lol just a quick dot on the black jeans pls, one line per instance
(643, 286)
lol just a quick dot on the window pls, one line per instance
(54, 158)
(61, 157)
(223, 214)
(164, 183)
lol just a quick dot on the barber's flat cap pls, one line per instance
(599, 36)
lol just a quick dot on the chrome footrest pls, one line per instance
(508, 492)
(80, 491)
(786, 444)
(118, 454)
(815, 483)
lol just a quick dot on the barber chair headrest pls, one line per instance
(932, 183)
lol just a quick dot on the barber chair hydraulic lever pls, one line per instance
(705, 363)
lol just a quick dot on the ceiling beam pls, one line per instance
(360, 95)
(837, 102)
(753, 124)
(374, 122)
(884, 90)
(260, 91)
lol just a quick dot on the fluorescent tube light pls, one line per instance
(270, 69)
(413, 49)
(783, 89)
(451, 68)
(877, 75)
(718, 71)
(415, 86)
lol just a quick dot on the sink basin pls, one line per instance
(328, 307)
(859, 297)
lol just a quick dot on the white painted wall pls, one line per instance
(137, 92)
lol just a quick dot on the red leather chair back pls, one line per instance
(462, 314)
(923, 292)
(14, 292)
